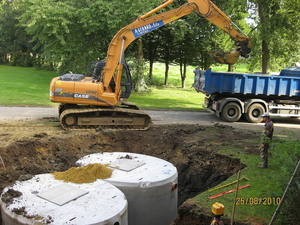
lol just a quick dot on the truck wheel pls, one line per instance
(231, 112)
(254, 112)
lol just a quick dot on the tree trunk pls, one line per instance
(265, 57)
(151, 62)
(152, 49)
(183, 73)
(140, 57)
(166, 72)
(264, 28)
(167, 62)
(140, 82)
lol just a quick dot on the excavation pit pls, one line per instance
(192, 149)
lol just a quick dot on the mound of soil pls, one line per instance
(31, 147)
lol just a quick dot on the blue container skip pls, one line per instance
(285, 84)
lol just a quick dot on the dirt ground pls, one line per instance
(30, 147)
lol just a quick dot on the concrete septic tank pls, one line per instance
(45, 200)
(149, 184)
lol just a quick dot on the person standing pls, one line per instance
(266, 138)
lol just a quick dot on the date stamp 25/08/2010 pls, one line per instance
(258, 201)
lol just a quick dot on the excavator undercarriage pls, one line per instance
(95, 117)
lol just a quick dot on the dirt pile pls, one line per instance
(37, 147)
(85, 174)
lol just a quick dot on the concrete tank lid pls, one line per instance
(101, 203)
(143, 170)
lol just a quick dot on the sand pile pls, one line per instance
(85, 174)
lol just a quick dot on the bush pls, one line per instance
(22, 59)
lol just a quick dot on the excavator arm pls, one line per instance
(148, 22)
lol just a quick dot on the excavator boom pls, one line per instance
(149, 22)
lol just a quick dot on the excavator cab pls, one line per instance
(126, 82)
(94, 70)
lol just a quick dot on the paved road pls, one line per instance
(158, 117)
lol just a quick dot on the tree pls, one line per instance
(15, 46)
(177, 39)
(152, 42)
(75, 32)
(167, 51)
(276, 42)
(193, 46)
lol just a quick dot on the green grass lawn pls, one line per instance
(28, 86)
(25, 86)
(173, 96)
(259, 200)
(257, 203)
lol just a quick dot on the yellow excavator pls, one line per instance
(98, 100)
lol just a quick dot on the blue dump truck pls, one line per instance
(233, 95)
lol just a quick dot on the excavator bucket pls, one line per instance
(222, 57)
(231, 57)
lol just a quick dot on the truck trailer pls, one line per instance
(231, 95)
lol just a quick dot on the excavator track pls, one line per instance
(102, 118)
